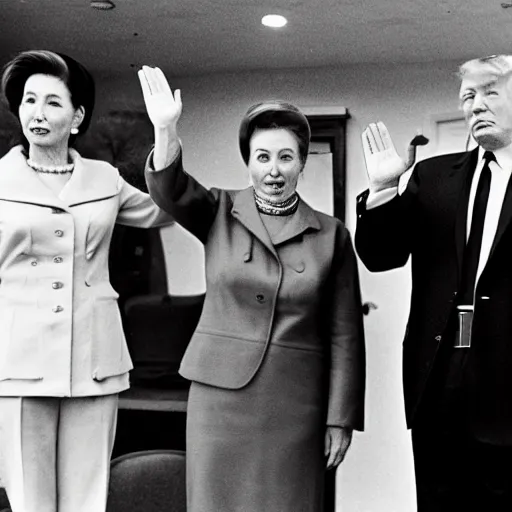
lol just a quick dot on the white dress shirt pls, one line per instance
(500, 171)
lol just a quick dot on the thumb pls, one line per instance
(177, 97)
(327, 447)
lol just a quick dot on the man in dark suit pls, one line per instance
(454, 220)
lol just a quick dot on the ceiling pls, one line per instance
(190, 37)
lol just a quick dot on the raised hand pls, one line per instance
(383, 164)
(164, 108)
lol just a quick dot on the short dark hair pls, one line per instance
(274, 114)
(76, 77)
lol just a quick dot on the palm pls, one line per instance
(163, 108)
(383, 164)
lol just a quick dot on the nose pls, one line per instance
(478, 104)
(38, 112)
(274, 171)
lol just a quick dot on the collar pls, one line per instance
(91, 180)
(244, 209)
(503, 157)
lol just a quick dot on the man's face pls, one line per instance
(486, 100)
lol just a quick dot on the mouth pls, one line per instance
(275, 187)
(482, 123)
(39, 131)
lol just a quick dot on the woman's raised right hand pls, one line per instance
(164, 108)
(383, 164)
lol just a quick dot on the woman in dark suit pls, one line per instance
(277, 359)
(63, 356)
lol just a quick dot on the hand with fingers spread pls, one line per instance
(383, 164)
(337, 442)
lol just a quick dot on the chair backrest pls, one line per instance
(148, 481)
(158, 330)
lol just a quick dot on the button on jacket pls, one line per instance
(60, 326)
(300, 293)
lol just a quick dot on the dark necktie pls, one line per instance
(472, 251)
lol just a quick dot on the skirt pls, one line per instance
(260, 448)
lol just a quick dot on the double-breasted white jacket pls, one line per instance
(60, 326)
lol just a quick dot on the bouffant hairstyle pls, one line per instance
(500, 65)
(77, 79)
(274, 115)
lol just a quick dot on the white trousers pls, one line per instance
(55, 452)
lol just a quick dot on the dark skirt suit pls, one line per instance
(278, 354)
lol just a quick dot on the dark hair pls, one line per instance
(77, 79)
(273, 115)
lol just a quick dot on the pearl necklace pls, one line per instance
(286, 207)
(51, 169)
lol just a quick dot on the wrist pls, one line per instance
(167, 147)
(379, 187)
(166, 134)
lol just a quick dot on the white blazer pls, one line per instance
(60, 326)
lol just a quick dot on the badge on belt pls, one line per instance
(465, 320)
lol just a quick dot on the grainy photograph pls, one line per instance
(255, 256)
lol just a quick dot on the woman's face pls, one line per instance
(274, 163)
(46, 111)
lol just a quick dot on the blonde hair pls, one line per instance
(500, 65)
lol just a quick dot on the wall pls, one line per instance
(377, 474)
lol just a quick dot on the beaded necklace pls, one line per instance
(51, 169)
(286, 207)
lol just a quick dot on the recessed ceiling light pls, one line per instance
(103, 5)
(274, 20)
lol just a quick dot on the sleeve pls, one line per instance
(383, 234)
(183, 197)
(379, 198)
(347, 373)
(138, 209)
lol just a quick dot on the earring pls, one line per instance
(74, 131)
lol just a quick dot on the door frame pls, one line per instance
(331, 128)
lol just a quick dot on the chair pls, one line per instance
(158, 330)
(4, 502)
(148, 481)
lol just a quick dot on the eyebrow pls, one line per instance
(268, 151)
(48, 96)
(489, 83)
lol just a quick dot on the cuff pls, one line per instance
(381, 197)
(150, 167)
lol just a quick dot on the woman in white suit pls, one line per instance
(63, 356)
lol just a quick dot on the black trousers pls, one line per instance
(454, 471)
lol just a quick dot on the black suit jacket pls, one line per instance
(428, 223)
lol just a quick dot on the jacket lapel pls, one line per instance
(461, 176)
(303, 219)
(19, 183)
(91, 181)
(244, 209)
(505, 217)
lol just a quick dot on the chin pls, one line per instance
(43, 143)
(279, 198)
(490, 141)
